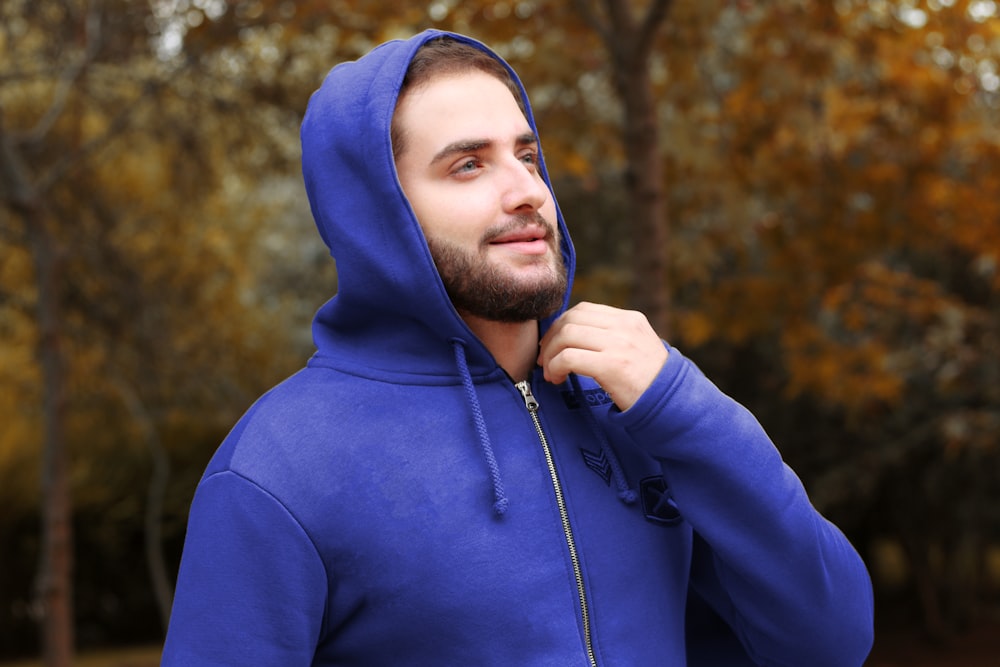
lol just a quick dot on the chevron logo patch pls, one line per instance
(599, 463)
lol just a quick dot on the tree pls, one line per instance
(24, 194)
(851, 132)
(828, 170)
(630, 42)
(97, 145)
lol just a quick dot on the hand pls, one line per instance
(618, 348)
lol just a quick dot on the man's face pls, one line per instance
(469, 170)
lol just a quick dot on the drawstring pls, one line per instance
(501, 502)
(625, 493)
(500, 498)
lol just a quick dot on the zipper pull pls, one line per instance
(529, 398)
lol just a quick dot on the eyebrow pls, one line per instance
(475, 145)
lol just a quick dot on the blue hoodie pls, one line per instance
(400, 501)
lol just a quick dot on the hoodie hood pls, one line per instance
(391, 313)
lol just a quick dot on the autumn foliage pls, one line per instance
(830, 172)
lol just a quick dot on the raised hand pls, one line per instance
(618, 348)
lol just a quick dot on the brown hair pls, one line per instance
(444, 56)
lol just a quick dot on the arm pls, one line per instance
(787, 581)
(251, 589)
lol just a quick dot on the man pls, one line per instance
(468, 471)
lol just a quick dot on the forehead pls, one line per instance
(450, 105)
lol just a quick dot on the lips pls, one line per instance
(522, 235)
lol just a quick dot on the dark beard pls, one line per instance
(479, 288)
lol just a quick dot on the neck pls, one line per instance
(513, 344)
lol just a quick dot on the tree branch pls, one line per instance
(16, 188)
(621, 33)
(116, 126)
(591, 18)
(651, 23)
(620, 15)
(118, 123)
(69, 77)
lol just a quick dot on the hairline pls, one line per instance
(462, 59)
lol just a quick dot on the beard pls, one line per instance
(484, 289)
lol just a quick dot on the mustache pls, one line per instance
(520, 221)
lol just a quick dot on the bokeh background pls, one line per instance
(804, 195)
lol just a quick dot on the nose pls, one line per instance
(523, 186)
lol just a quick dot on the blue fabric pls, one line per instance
(392, 503)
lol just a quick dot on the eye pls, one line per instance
(529, 158)
(466, 166)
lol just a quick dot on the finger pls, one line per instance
(598, 328)
(609, 351)
(574, 334)
(572, 360)
(587, 314)
(593, 314)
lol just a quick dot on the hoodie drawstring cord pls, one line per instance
(625, 493)
(500, 498)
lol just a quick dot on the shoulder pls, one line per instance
(289, 425)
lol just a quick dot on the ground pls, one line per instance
(979, 647)
(898, 648)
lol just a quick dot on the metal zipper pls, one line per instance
(532, 404)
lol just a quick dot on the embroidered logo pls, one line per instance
(594, 398)
(657, 503)
(598, 463)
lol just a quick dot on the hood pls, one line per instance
(391, 313)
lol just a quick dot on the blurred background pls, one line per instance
(804, 195)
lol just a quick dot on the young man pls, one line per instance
(468, 471)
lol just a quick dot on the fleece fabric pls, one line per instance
(399, 501)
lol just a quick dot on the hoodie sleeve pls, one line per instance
(251, 588)
(787, 581)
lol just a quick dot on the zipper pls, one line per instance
(532, 405)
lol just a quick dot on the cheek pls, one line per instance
(472, 208)
(548, 211)
(453, 214)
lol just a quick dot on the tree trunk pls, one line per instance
(55, 579)
(645, 184)
(629, 43)
(54, 585)
(155, 561)
(153, 520)
(927, 587)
